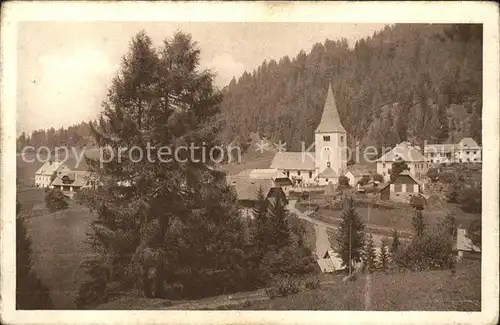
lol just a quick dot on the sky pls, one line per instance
(64, 68)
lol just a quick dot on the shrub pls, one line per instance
(378, 178)
(284, 285)
(312, 283)
(343, 182)
(55, 200)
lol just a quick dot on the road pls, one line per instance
(322, 241)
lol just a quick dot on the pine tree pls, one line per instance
(418, 223)
(395, 242)
(30, 291)
(350, 235)
(383, 258)
(279, 235)
(174, 216)
(261, 224)
(370, 255)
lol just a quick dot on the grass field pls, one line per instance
(429, 290)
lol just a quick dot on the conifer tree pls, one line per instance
(383, 258)
(31, 293)
(370, 255)
(350, 235)
(279, 235)
(418, 223)
(395, 242)
(262, 224)
(161, 218)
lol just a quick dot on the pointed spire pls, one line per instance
(330, 120)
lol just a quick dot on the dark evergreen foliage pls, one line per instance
(55, 200)
(31, 293)
(350, 238)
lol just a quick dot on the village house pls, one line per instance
(328, 161)
(356, 173)
(247, 189)
(72, 181)
(44, 175)
(404, 151)
(402, 188)
(465, 151)
(330, 262)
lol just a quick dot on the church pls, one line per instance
(327, 159)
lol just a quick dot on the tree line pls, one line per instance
(78, 135)
(407, 82)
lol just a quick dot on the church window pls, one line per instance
(287, 173)
(310, 174)
(298, 173)
(341, 139)
(326, 180)
(328, 164)
(326, 138)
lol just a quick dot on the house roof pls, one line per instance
(328, 173)
(330, 262)
(330, 120)
(247, 188)
(293, 161)
(360, 170)
(403, 151)
(403, 173)
(444, 148)
(78, 178)
(49, 167)
(464, 243)
(468, 142)
(261, 174)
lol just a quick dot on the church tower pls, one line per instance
(330, 144)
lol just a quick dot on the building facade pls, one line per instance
(404, 151)
(45, 174)
(465, 151)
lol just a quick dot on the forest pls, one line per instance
(408, 82)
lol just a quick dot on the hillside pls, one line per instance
(428, 75)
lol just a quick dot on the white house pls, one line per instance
(43, 176)
(72, 181)
(415, 161)
(466, 151)
(356, 173)
(277, 178)
(328, 161)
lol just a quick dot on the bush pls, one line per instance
(343, 182)
(313, 283)
(378, 178)
(432, 250)
(55, 200)
(283, 286)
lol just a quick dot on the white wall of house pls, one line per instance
(417, 169)
(468, 155)
(42, 180)
(306, 176)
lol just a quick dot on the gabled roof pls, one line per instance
(328, 173)
(403, 151)
(78, 178)
(468, 143)
(49, 167)
(268, 173)
(247, 188)
(330, 120)
(293, 161)
(439, 148)
(360, 170)
(403, 173)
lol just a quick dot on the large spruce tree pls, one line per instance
(31, 293)
(170, 222)
(350, 238)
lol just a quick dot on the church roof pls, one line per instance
(328, 173)
(330, 120)
(293, 161)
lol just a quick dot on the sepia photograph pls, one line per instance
(253, 164)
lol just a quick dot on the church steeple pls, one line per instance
(330, 120)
